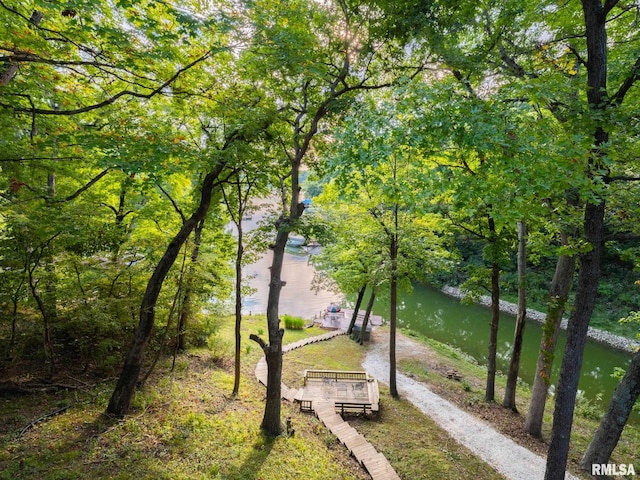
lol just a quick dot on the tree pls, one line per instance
(378, 174)
(615, 418)
(509, 400)
(558, 295)
(314, 69)
(600, 102)
(64, 147)
(120, 401)
(244, 127)
(242, 189)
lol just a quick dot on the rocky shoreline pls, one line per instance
(615, 341)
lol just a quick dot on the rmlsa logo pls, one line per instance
(614, 469)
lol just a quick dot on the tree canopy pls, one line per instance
(429, 126)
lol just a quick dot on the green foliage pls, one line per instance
(293, 323)
(589, 409)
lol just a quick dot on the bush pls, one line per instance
(293, 323)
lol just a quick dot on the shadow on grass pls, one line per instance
(250, 468)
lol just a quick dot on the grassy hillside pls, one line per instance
(185, 425)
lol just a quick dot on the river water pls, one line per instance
(440, 317)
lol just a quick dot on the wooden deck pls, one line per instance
(325, 409)
(341, 320)
(355, 392)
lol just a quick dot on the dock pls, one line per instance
(340, 320)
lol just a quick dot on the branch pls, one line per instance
(634, 75)
(36, 18)
(12, 68)
(465, 83)
(511, 64)
(112, 99)
(623, 178)
(264, 345)
(376, 215)
(34, 159)
(466, 229)
(68, 198)
(173, 202)
(33, 423)
(608, 6)
(85, 187)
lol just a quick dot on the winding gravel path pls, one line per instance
(507, 457)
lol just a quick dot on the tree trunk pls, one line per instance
(558, 294)
(586, 292)
(271, 424)
(393, 302)
(187, 300)
(589, 273)
(367, 314)
(356, 309)
(514, 366)
(490, 389)
(238, 325)
(608, 433)
(47, 343)
(122, 395)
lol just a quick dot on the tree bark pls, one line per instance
(489, 395)
(238, 309)
(271, 424)
(356, 309)
(367, 314)
(589, 273)
(514, 366)
(558, 294)
(122, 395)
(187, 300)
(586, 292)
(47, 343)
(608, 433)
(393, 285)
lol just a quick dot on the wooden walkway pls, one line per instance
(373, 461)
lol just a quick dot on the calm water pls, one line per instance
(443, 318)
(438, 316)
(298, 297)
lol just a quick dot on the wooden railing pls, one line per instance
(334, 375)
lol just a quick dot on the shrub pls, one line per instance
(293, 323)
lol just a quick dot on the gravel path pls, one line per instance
(502, 453)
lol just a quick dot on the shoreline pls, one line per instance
(601, 336)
